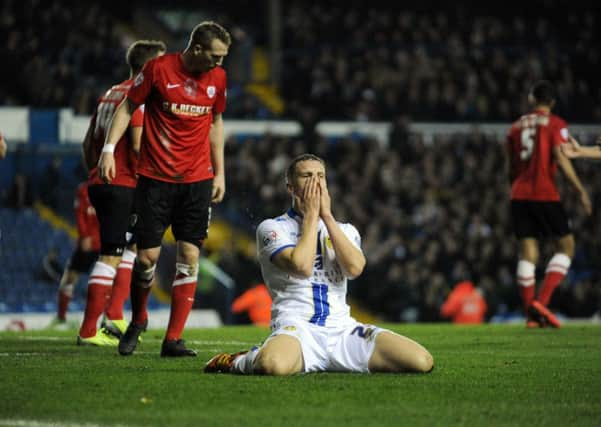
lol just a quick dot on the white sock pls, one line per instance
(244, 363)
(560, 263)
(525, 273)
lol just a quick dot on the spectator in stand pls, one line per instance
(255, 301)
(465, 304)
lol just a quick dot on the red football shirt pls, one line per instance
(179, 114)
(85, 215)
(530, 143)
(125, 157)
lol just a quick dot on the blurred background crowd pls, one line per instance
(350, 60)
(431, 212)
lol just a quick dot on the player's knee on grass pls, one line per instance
(395, 353)
(268, 363)
(281, 355)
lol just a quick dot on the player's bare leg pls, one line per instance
(528, 250)
(281, 355)
(396, 353)
(566, 245)
(182, 299)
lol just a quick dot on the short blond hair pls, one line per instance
(207, 31)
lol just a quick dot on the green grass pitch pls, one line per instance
(486, 375)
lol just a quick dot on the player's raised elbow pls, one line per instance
(304, 271)
(354, 269)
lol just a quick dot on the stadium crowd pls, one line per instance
(354, 61)
(455, 62)
(59, 53)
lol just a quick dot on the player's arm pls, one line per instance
(300, 260)
(135, 134)
(116, 130)
(348, 255)
(217, 139)
(87, 149)
(135, 128)
(574, 150)
(568, 171)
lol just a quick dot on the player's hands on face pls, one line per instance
(308, 201)
(106, 167)
(218, 188)
(325, 202)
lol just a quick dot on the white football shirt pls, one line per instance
(319, 299)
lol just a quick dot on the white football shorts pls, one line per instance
(345, 348)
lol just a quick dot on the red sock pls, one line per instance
(120, 291)
(556, 270)
(139, 301)
(99, 291)
(552, 280)
(96, 300)
(182, 299)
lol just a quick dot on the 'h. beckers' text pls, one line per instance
(186, 109)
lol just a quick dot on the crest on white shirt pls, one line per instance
(270, 237)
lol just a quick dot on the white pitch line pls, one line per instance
(202, 342)
(145, 339)
(42, 338)
(40, 423)
(23, 354)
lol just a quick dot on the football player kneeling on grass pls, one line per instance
(306, 258)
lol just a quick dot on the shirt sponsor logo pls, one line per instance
(187, 109)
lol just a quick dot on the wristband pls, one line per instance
(108, 148)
